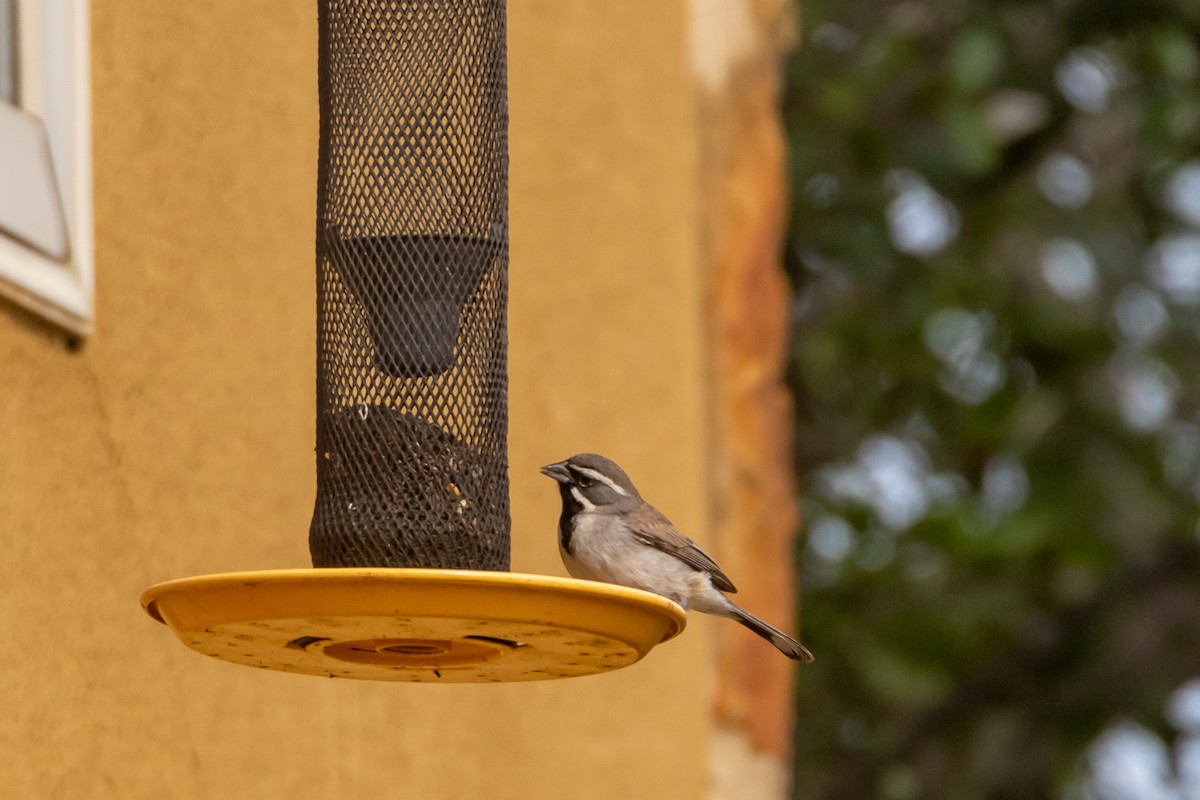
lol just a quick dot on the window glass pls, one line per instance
(8, 51)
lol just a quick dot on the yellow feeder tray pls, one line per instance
(439, 626)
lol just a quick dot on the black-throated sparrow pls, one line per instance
(607, 532)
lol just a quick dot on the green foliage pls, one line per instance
(995, 244)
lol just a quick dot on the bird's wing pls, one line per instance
(649, 526)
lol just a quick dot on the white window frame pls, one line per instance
(54, 83)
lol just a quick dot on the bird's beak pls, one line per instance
(558, 470)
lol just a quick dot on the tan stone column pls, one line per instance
(738, 48)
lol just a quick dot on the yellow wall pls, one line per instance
(179, 440)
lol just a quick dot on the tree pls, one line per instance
(995, 246)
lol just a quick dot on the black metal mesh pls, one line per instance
(412, 260)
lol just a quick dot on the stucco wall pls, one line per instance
(178, 441)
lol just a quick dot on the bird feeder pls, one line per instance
(410, 532)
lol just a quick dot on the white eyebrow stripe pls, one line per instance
(583, 501)
(599, 476)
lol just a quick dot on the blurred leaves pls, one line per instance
(995, 246)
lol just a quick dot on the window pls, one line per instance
(45, 160)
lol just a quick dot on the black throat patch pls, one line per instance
(566, 520)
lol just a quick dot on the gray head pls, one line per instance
(593, 482)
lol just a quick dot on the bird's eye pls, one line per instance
(584, 481)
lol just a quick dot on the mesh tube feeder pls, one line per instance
(410, 531)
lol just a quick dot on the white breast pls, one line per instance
(604, 550)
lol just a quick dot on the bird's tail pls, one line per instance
(784, 643)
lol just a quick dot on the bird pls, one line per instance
(608, 533)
